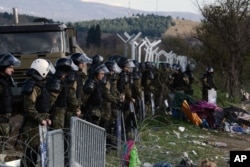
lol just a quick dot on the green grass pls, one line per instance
(159, 142)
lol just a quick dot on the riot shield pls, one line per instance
(119, 132)
(43, 145)
(133, 121)
(142, 108)
(152, 103)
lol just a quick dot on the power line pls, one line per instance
(156, 9)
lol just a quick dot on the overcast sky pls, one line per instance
(157, 5)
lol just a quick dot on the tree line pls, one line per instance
(150, 25)
(223, 36)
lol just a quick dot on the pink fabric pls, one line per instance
(205, 110)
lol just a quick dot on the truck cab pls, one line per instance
(28, 42)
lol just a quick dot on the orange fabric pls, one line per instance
(192, 116)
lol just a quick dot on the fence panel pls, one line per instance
(88, 144)
(55, 148)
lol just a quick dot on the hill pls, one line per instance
(182, 28)
(149, 25)
(78, 10)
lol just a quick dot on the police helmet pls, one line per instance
(177, 67)
(149, 65)
(65, 65)
(210, 69)
(7, 59)
(43, 67)
(115, 58)
(125, 62)
(98, 67)
(97, 59)
(80, 58)
(112, 66)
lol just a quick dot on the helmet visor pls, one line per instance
(130, 63)
(103, 68)
(51, 67)
(85, 59)
(116, 68)
(73, 66)
(9, 60)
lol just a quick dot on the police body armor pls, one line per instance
(124, 79)
(94, 88)
(5, 99)
(113, 84)
(79, 78)
(94, 102)
(62, 99)
(42, 101)
(178, 82)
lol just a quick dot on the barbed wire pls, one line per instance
(155, 143)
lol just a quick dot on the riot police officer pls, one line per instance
(137, 89)
(180, 80)
(93, 88)
(63, 92)
(162, 87)
(148, 81)
(7, 64)
(96, 59)
(112, 101)
(124, 85)
(136, 80)
(208, 83)
(36, 107)
(124, 81)
(189, 72)
(81, 60)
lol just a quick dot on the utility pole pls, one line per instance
(156, 9)
(129, 9)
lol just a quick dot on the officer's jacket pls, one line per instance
(36, 100)
(5, 96)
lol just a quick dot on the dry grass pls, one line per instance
(183, 28)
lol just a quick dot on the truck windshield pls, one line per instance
(34, 42)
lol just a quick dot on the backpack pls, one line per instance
(130, 156)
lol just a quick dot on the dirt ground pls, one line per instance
(234, 141)
(239, 142)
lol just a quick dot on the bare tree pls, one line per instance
(225, 33)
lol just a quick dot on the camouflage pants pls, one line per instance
(4, 132)
(31, 142)
(106, 112)
(67, 119)
(94, 115)
(58, 120)
(4, 127)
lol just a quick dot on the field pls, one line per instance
(160, 140)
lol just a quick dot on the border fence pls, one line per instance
(88, 144)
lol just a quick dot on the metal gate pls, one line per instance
(88, 144)
(55, 148)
